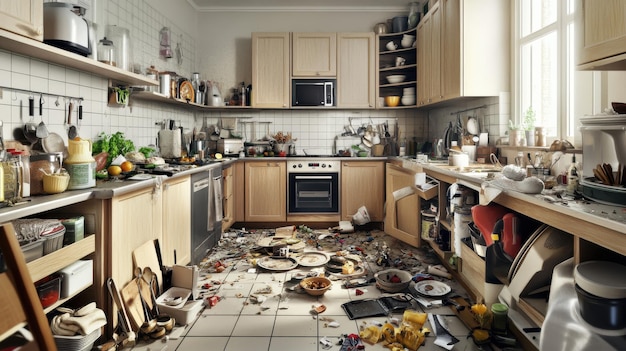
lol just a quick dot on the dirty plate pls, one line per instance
(277, 263)
(313, 259)
(432, 288)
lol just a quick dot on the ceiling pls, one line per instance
(299, 5)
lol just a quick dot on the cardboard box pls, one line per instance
(76, 277)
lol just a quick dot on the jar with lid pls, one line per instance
(39, 165)
(106, 52)
(80, 165)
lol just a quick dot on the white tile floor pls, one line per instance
(283, 321)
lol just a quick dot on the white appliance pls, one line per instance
(65, 27)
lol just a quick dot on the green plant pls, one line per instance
(115, 144)
(147, 151)
(529, 119)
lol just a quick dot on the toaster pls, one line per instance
(229, 146)
(65, 28)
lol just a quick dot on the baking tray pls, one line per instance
(375, 307)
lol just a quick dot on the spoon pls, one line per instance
(42, 130)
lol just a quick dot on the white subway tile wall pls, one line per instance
(314, 129)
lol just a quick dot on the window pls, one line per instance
(545, 60)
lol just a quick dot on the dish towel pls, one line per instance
(78, 322)
(217, 195)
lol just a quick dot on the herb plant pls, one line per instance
(115, 144)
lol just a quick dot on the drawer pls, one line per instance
(473, 269)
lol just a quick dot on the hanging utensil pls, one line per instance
(42, 130)
(71, 129)
(30, 127)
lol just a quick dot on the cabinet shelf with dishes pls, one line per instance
(396, 72)
(157, 97)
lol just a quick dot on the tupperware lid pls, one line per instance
(602, 278)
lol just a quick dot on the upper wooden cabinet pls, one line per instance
(429, 58)
(472, 41)
(356, 70)
(270, 70)
(603, 39)
(314, 54)
(24, 17)
(363, 184)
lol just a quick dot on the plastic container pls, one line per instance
(49, 290)
(53, 242)
(39, 165)
(76, 277)
(32, 250)
(74, 229)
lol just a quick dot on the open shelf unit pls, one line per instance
(386, 66)
(157, 97)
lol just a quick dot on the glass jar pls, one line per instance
(106, 52)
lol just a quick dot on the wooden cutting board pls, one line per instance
(145, 256)
(132, 301)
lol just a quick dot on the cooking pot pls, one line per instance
(65, 28)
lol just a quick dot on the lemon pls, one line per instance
(114, 170)
(218, 156)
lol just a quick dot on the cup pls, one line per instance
(391, 46)
(407, 42)
(400, 61)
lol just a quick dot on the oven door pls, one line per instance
(313, 193)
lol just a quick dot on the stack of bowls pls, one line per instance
(408, 96)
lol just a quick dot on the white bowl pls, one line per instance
(408, 100)
(396, 78)
(384, 280)
(409, 91)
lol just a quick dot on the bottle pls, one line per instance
(402, 151)
(242, 95)
(519, 160)
(572, 176)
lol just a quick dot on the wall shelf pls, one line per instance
(157, 97)
(36, 49)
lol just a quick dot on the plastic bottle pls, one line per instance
(242, 95)
(402, 150)
(572, 176)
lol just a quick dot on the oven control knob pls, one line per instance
(299, 165)
(323, 165)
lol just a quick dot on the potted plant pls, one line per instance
(529, 126)
(359, 151)
(515, 134)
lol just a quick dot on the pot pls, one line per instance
(381, 28)
(282, 148)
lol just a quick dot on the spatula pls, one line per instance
(71, 129)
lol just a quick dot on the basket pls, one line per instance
(53, 242)
(77, 342)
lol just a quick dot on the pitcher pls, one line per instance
(80, 165)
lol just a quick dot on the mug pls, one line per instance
(400, 61)
(391, 46)
(407, 42)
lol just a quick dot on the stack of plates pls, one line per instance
(77, 342)
(408, 96)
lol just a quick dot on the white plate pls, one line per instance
(312, 259)
(432, 288)
(277, 263)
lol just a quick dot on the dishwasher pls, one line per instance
(206, 211)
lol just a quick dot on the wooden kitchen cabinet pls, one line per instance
(603, 39)
(386, 63)
(402, 220)
(429, 58)
(135, 218)
(233, 194)
(314, 54)
(363, 184)
(270, 70)
(176, 219)
(24, 17)
(356, 70)
(265, 191)
(469, 50)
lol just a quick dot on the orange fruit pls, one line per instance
(126, 166)
(114, 170)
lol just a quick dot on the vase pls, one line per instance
(515, 137)
(530, 137)
(414, 14)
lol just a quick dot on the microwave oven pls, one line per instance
(313, 92)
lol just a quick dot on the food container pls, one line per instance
(40, 165)
(76, 277)
(53, 242)
(74, 229)
(49, 289)
(601, 290)
(32, 250)
(184, 312)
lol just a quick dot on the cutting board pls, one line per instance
(146, 256)
(132, 301)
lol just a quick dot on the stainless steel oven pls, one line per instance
(313, 186)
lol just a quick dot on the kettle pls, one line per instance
(65, 28)
(438, 148)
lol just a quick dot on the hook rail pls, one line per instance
(34, 92)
